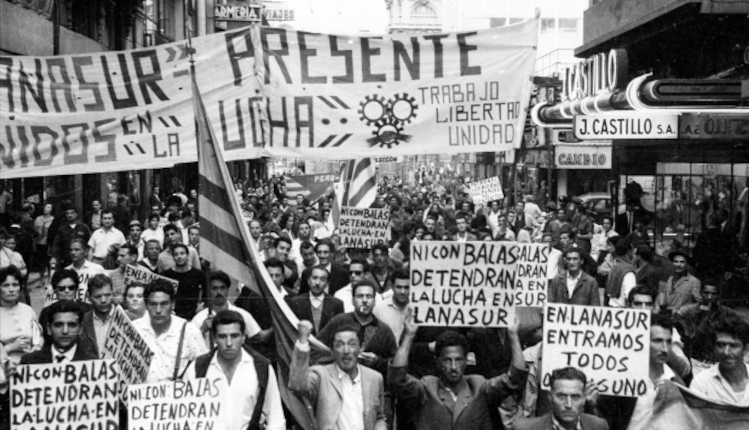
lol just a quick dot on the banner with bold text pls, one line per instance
(269, 92)
(79, 394)
(193, 404)
(610, 345)
(363, 227)
(485, 190)
(475, 284)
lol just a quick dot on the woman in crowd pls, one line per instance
(135, 305)
(19, 330)
(288, 226)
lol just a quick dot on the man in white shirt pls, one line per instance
(638, 413)
(393, 309)
(218, 290)
(357, 272)
(345, 394)
(304, 234)
(492, 217)
(248, 381)
(104, 237)
(727, 380)
(162, 332)
(84, 268)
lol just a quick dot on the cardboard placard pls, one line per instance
(609, 345)
(194, 404)
(486, 190)
(363, 228)
(125, 344)
(79, 394)
(475, 284)
(144, 276)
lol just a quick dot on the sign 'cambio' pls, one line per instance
(269, 92)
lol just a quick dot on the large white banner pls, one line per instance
(268, 92)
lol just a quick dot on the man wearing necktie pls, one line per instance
(64, 327)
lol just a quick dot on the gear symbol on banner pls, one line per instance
(403, 107)
(373, 109)
(388, 132)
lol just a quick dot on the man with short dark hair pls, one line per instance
(727, 380)
(682, 288)
(173, 236)
(164, 333)
(624, 413)
(338, 276)
(453, 400)
(218, 294)
(568, 397)
(379, 342)
(151, 256)
(621, 278)
(252, 400)
(345, 395)
(392, 309)
(462, 225)
(317, 306)
(574, 286)
(96, 322)
(696, 322)
(191, 283)
(358, 271)
(63, 329)
(85, 269)
(104, 238)
(71, 229)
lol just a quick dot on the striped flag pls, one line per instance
(678, 407)
(362, 187)
(225, 242)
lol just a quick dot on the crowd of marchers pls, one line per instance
(386, 373)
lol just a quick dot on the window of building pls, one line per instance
(497, 22)
(547, 26)
(568, 25)
(423, 13)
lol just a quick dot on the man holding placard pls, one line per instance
(629, 413)
(453, 400)
(64, 329)
(252, 399)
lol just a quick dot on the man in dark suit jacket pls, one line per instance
(101, 314)
(586, 289)
(625, 222)
(316, 305)
(64, 326)
(568, 395)
(338, 276)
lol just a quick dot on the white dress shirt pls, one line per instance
(352, 416)
(67, 355)
(251, 326)
(165, 346)
(241, 395)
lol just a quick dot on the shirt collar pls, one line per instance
(580, 273)
(69, 354)
(341, 374)
(316, 301)
(106, 318)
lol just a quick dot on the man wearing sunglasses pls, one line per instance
(358, 271)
